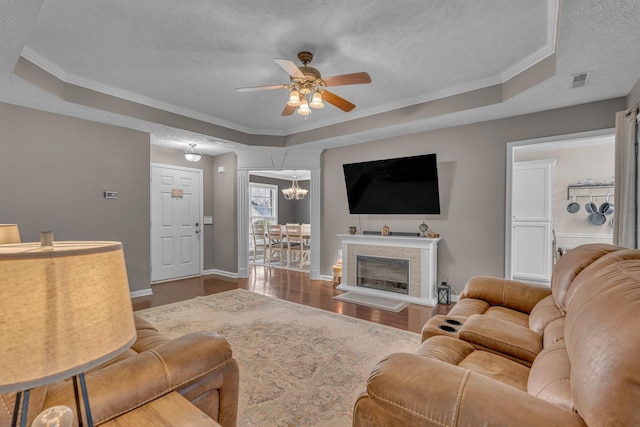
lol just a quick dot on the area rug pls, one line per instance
(299, 366)
(387, 304)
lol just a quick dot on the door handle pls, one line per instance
(197, 228)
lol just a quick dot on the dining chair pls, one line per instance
(259, 233)
(276, 242)
(296, 244)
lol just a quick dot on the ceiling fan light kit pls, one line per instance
(307, 80)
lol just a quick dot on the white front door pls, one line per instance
(176, 211)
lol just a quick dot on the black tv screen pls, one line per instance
(406, 185)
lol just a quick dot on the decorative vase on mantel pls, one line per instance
(423, 229)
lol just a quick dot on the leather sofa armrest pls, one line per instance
(502, 337)
(512, 294)
(171, 366)
(408, 389)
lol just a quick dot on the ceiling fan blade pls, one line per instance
(290, 67)
(347, 79)
(254, 88)
(288, 110)
(337, 101)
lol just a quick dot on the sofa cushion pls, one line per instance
(549, 378)
(503, 337)
(553, 332)
(457, 352)
(509, 315)
(543, 313)
(498, 368)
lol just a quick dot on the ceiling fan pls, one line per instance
(307, 88)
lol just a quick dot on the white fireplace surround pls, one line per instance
(422, 253)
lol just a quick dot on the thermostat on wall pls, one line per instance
(110, 194)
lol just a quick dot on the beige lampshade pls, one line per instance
(63, 310)
(9, 233)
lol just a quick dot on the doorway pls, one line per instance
(269, 206)
(579, 160)
(176, 222)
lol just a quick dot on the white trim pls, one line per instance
(585, 236)
(220, 273)
(511, 147)
(200, 173)
(141, 293)
(276, 158)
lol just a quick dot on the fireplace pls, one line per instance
(385, 274)
(397, 267)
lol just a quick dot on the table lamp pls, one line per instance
(64, 309)
(9, 233)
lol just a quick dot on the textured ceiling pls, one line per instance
(189, 57)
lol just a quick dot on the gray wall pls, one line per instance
(289, 211)
(54, 170)
(472, 171)
(173, 157)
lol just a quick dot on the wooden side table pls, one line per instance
(168, 411)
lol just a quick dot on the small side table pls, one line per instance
(337, 275)
(170, 410)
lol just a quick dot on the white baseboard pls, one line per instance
(142, 293)
(220, 273)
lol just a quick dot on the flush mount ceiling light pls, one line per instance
(307, 88)
(294, 192)
(191, 155)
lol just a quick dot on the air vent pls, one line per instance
(579, 80)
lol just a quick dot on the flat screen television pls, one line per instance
(405, 185)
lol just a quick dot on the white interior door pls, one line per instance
(176, 219)
(531, 210)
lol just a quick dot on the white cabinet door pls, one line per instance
(531, 218)
(531, 199)
(531, 251)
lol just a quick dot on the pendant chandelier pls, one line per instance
(191, 155)
(294, 192)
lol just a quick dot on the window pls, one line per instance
(263, 202)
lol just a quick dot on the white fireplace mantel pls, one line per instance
(422, 253)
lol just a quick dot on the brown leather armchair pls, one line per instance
(586, 374)
(199, 366)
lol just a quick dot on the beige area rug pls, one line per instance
(299, 366)
(387, 304)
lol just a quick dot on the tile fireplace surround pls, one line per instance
(422, 253)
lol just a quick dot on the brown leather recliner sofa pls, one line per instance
(574, 362)
(199, 366)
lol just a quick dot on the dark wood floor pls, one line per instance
(291, 286)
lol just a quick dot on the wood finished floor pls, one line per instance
(288, 285)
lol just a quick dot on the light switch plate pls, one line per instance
(110, 194)
(208, 220)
